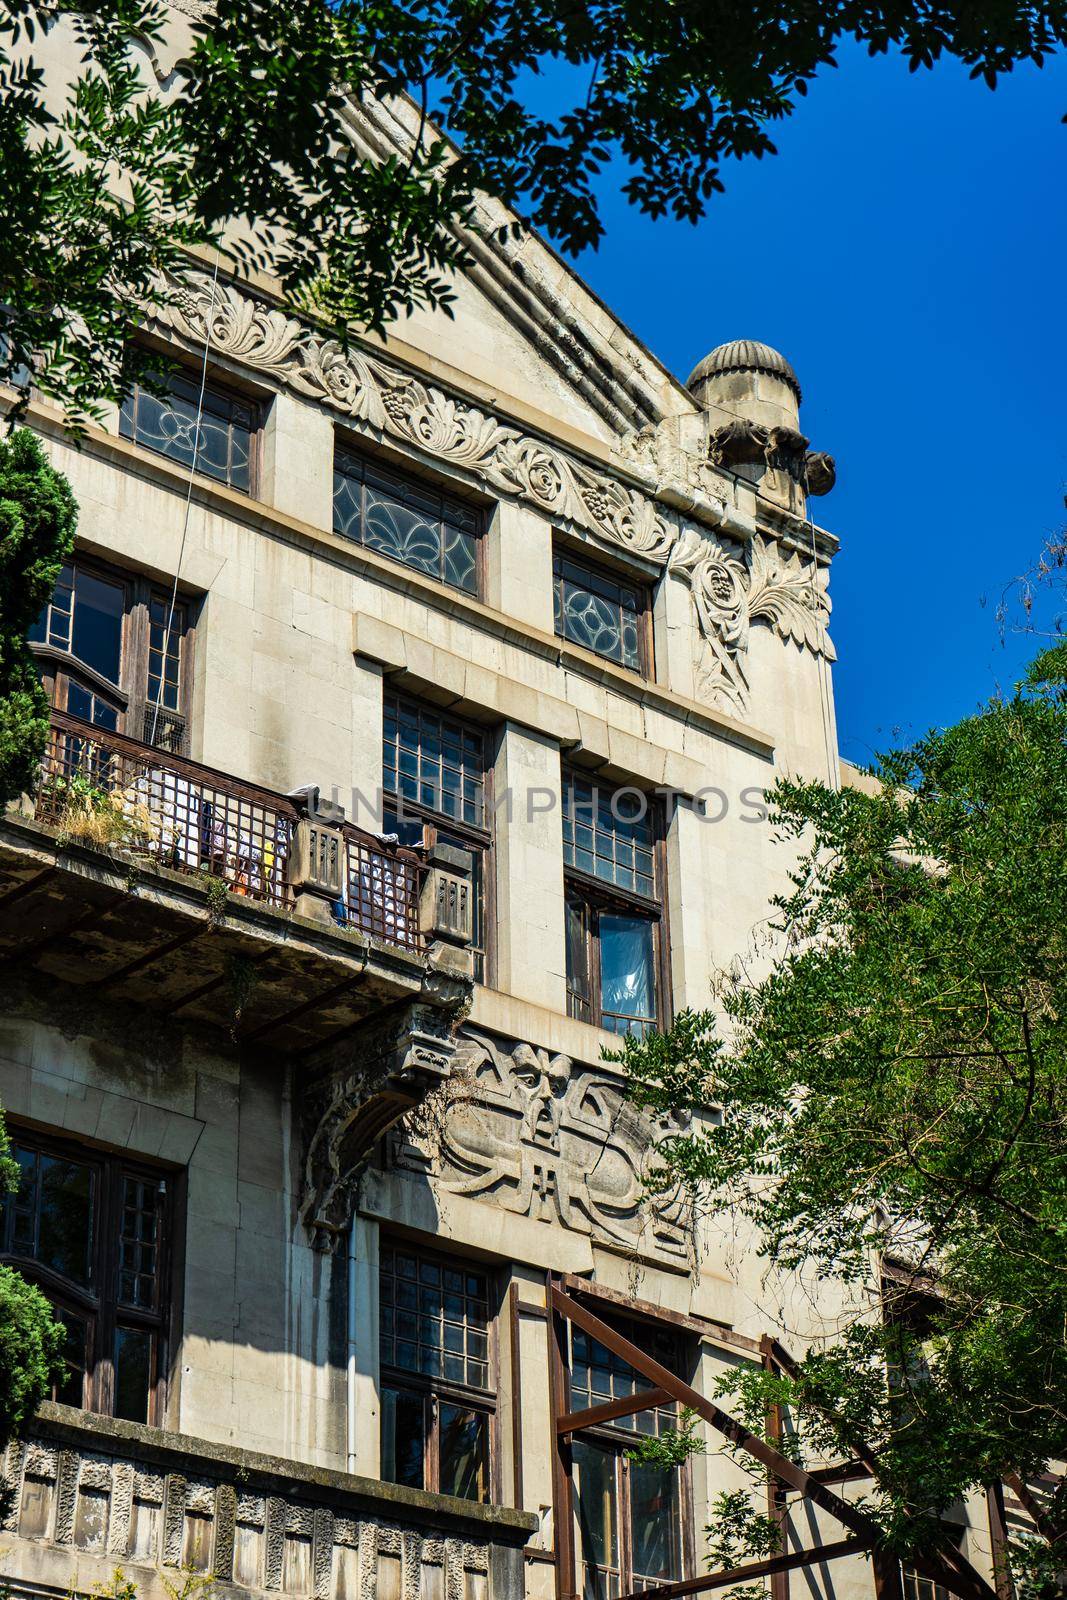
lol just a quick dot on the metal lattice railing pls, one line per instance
(108, 789)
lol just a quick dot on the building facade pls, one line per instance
(413, 708)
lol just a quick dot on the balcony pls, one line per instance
(149, 878)
(90, 1494)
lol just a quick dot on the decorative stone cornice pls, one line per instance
(733, 585)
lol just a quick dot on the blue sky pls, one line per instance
(907, 250)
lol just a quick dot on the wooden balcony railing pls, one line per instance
(109, 789)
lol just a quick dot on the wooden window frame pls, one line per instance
(645, 668)
(616, 1437)
(478, 840)
(596, 896)
(423, 483)
(218, 388)
(100, 1305)
(438, 1391)
(130, 694)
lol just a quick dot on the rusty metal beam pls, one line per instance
(611, 1410)
(286, 1017)
(150, 956)
(562, 1482)
(843, 1472)
(768, 1568)
(28, 952)
(961, 1580)
(28, 886)
(998, 1541)
(776, 1491)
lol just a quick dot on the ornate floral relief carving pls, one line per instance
(759, 582)
(730, 591)
(554, 1141)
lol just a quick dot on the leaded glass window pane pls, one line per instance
(164, 652)
(433, 761)
(599, 1375)
(598, 611)
(609, 834)
(434, 1318)
(409, 521)
(221, 446)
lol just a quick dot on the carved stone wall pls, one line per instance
(733, 583)
(251, 1529)
(547, 1138)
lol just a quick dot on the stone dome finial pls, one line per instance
(743, 355)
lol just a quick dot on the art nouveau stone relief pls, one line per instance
(549, 1139)
(730, 590)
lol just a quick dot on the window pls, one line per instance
(91, 1232)
(223, 445)
(602, 612)
(104, 649)
(611, 851)
(433, 767)
(629, 1517)
(438, 1398)
(406, 519)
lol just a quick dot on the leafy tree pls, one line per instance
(37, 521)
(31, 1339)
(893, 1098)
(309, 187)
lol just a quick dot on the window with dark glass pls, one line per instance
(628, 1516)
(604, 613)
(437, 1387)
(91, 1232)
(221, 444)
(406, 519)
(111, 650)
(614, 917)
(434, 782)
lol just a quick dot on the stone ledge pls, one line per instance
(182, 1453)
(438, 674)
(147, 934)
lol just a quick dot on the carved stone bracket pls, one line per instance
(385, 1070)
(547, 1138)
(729, 592)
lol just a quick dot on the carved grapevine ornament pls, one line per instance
(756, 583)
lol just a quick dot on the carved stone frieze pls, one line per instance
(374, 393)
(349, 1102)
(550, 1139)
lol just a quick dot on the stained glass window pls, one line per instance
(407, 520)
(437, 1397)
(221, 444)
(596, 610)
